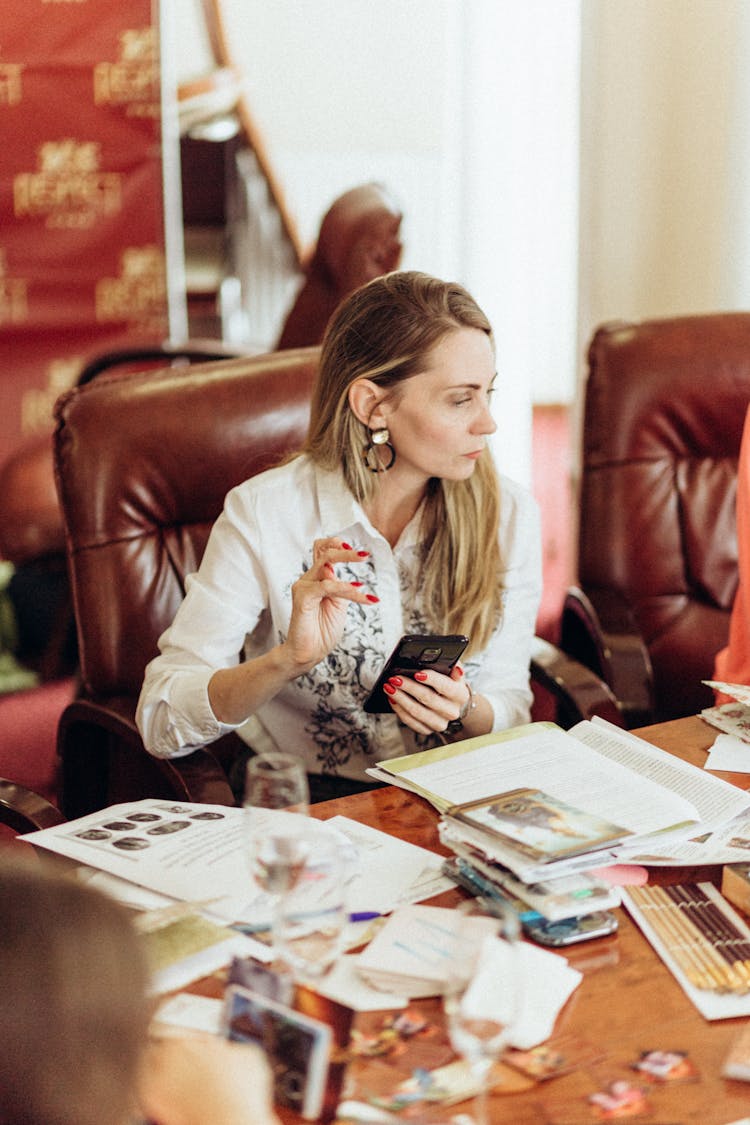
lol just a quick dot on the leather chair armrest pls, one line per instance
(578, 692)
(105, 762)
(23, 810)
(599, 629)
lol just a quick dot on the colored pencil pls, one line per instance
(695, 951)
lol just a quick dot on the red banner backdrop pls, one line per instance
(82, 262)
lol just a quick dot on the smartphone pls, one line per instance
(412, 653)
(297, 1046)
(570, 930)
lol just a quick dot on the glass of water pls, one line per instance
(311, 914)
(276, 807)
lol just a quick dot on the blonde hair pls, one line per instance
(73, 1006)
(383, 332)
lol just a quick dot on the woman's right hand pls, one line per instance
(319, 604)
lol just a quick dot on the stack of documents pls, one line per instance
(535, 810)
(411, 956)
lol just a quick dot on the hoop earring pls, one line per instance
(378, 437)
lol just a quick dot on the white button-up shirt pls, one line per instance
(240, 601)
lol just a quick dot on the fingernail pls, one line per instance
(372, 598)
(363, 554)
(421, 676)
(396, 681)
(389, 689)
(357, 583)
(346, 547)
(459, 669)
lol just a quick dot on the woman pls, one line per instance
(74, 1014)
(392, 520)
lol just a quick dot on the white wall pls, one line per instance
(665, 155)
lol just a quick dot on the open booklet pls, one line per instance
(677, 813)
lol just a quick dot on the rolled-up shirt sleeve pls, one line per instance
(222, 604)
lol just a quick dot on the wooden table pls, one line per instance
(627, 1002)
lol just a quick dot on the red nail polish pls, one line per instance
(421, 676)
(363, 554)
(396, 681)
(459, 669)
(346, 547)
(389, 689)
(357, 583)
(372, 598)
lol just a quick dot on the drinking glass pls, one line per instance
(311, 916)
(276, 806)
(482, 990)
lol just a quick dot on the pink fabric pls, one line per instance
(733, 662)
(28, 735)
(622, 874)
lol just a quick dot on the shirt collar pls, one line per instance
(339, 510)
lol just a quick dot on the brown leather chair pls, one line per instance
(31, 529)
(358, 241)
(665, 403)
(23, 810)
(143, 465)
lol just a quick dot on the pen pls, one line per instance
(263, 927)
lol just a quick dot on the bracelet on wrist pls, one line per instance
(455, 725)
(469, 705)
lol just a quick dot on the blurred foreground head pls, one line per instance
(73, 1010)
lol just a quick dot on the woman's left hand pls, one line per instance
(430, 701)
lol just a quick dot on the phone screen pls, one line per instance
(412, 653)
(571, 930)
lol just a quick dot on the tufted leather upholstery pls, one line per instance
(665, 403)
(143, 463)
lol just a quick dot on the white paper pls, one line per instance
(716, 800)
(413, 955)
(390, 871)
(740, 692)
(546, 982)
(205, 860)
(197, 1013)
(724, 809)
(730, 754)
(732, 718)
(345, 985)
(550, 759)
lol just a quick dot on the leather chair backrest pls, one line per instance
(143, 463)
(664, 409)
